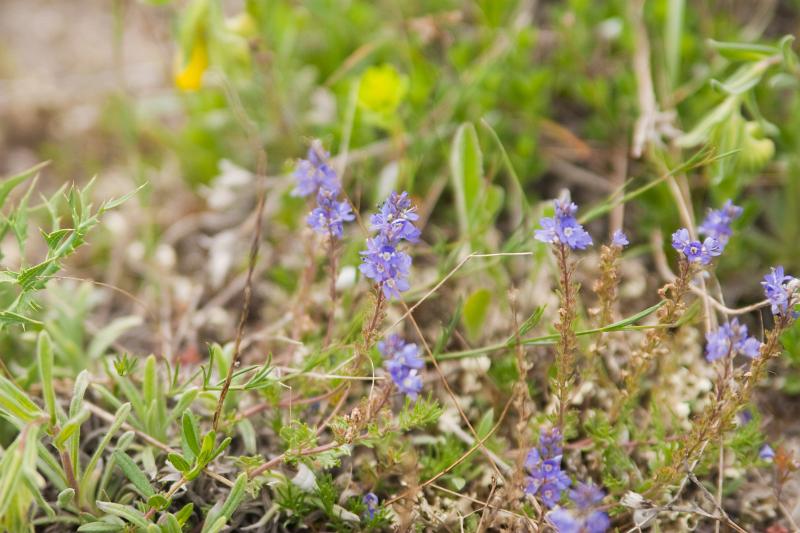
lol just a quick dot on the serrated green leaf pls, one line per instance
(8, 184)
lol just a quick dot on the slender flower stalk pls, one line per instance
(565, 326)
(693, 255)
(565, 233)
(606, 286)
(730, 399)
(314, 175)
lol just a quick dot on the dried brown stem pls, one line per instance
(248, 293)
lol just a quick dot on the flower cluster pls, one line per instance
(717, 223)
(382, 261)
(729, 340)
(544, 466)
(563, 227)
(329, 216)
(314, 175)
(696, 251)
(779, 289)
(403, 363)
(585, 518)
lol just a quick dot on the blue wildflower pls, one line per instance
(729, 340)
(586, 495)
(563, 521)
(403, 362)
(330, 214)
(546, 478)
(371, 501)
(585, 519)
(766, 453)
(382, 261)
(395, 219)
(550, 442)
(619, 239)
(314, 172)
(387, 266)
(695, 251)
(563, 227)
(778, 291)
(717, 223)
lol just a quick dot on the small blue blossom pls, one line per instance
(585, 519)
(695, 251)
(371, 501)
(619, 239)
(563, 227)
(550, 442)
(563, 521)
(586, 495)
(717, 223)
(546, 478)
(403, 362)
(395, 219)
(382, 261)
(597, 522)
(330, 214)
(729, 340)
(766, 453)
(387, 266)
(778, 291)
(313, 173)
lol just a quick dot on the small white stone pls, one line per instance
(305, 479)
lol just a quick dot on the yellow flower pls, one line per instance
(382, 90)
(190, 78)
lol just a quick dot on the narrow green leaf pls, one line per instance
(475, 308)
(189, 435)
(71, 427)
(235, 497)
(150, 383)
(184, 514)
(158, 501)
(170, 524)
(66, 497)
(126, 512)
(134, 473)
(179, 462)
(16, 403)
(466, 170)
(44, 355)
(119, 418)
(743, 51)
(78, 392)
